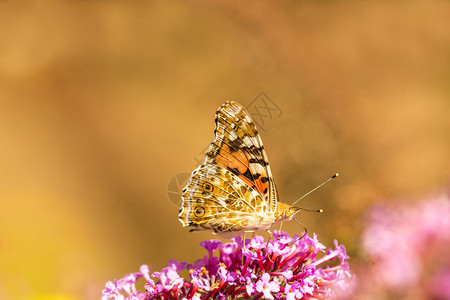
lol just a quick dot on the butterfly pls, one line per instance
(233, 191)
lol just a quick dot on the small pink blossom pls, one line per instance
(267, 287)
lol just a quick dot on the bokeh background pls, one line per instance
(102, 103)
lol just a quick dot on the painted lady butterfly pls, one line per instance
(233, 191)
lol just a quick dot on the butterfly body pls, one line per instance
(233, 190)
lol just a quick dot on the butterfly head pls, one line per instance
(286, 212)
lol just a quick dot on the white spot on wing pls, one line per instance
(249, 141)
(233, 135)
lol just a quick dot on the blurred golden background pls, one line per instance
(102, 103)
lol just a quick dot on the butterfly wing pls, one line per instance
(216, 199)
(233, 190)
(238, 148)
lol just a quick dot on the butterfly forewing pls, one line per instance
(237, 147)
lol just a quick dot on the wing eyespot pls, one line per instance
(199, 211)
(208, 187)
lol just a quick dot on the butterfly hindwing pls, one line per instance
(217, 199)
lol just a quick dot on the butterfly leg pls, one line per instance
(268, 240)
(243, 237)
(279, 229)
(243, 244)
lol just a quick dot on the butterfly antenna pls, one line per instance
(326, 181)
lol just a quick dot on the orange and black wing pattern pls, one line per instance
(238, 148)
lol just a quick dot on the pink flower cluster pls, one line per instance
(410, 251)
(282, 268)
